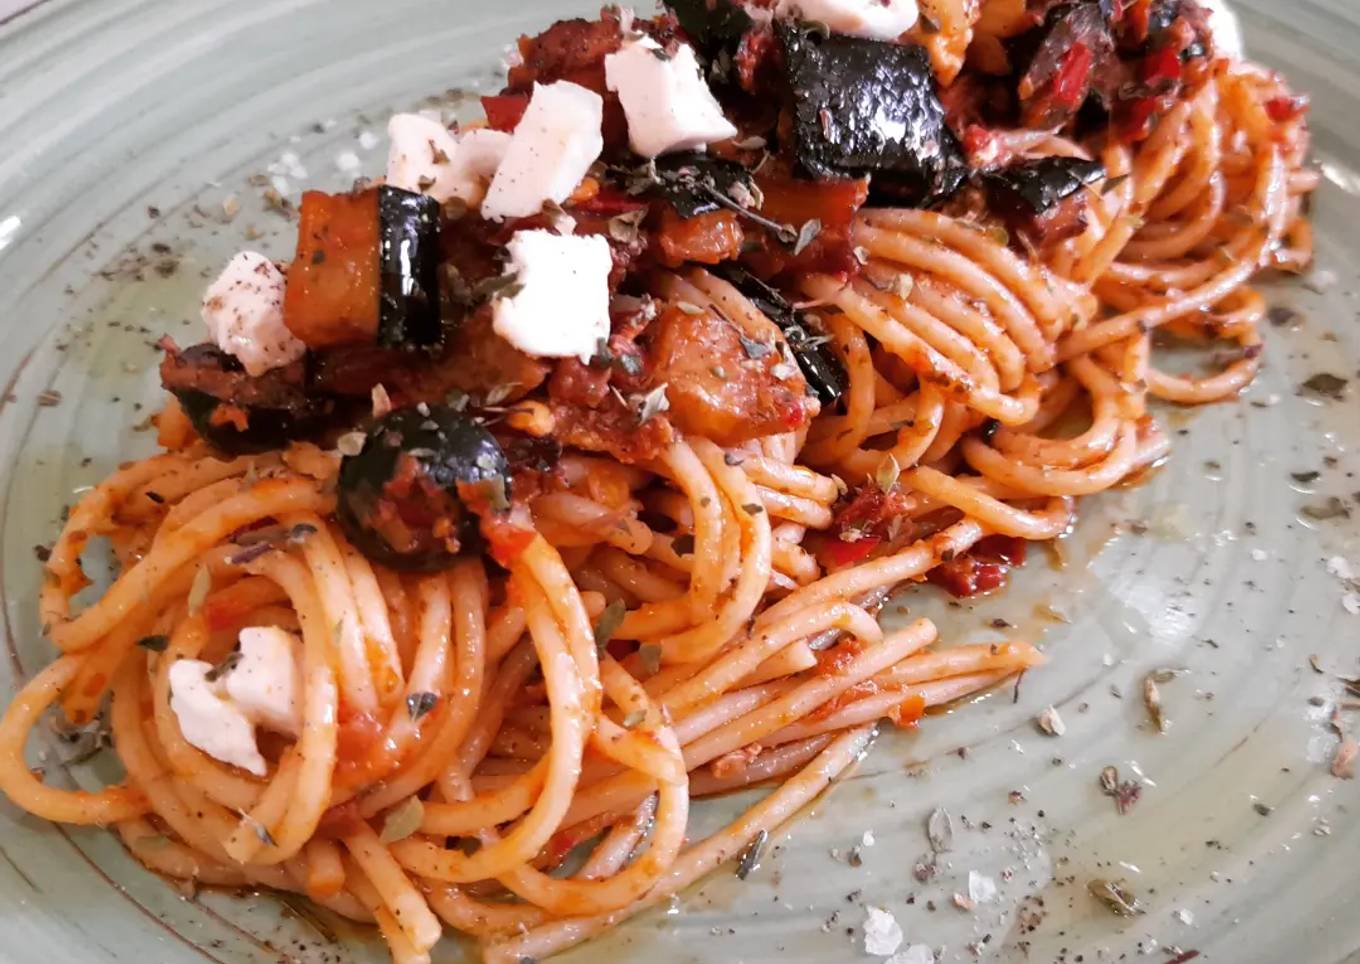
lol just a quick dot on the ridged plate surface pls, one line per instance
(124, 127)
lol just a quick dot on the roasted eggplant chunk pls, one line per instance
(405, 500)
(823, 370)
(1074, 60)
(237, 413)
(712, 25)
(1035, 186)
(867, 107)
(695, 183)
(366, 270)
(1041, 199)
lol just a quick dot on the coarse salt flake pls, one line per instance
(882, 934)
(981, 888)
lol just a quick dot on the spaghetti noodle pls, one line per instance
(511, 748)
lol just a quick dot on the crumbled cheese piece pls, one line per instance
(556, 141)
(1227, 31)
(215, 725)
(868, 839)
(665, 99)
(1259, 555)
(557, 305)
(426, 157)
(243, 310)
(368, 140)
(882, 933)
(266, 682)
(874, 19)
(219, 716)
(915, 954)
(981, 888)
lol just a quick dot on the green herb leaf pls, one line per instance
(650, 655)
(1116, 897)
(403, 820)
(229, 663)
(806, 235)
(1326, 385)
(419, 704)
(200, 588)
(755, 350)
(887, 473)
(608, 623)
(1333, 508)
(652, 404)
(750, 857)
(940, 831)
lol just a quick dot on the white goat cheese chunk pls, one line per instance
(1227, 30)
(265, 683)
(427, 158)
(559, 304)
(263, 688)
(665, 99)
(243, 310)
(550, 152)
(211, 721)
(874, 19)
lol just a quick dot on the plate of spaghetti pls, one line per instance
(801, 479)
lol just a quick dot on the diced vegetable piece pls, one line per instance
(713, 25)
(1075, 58)
(871, 107)
(366, 270)
(405, 499)
(503, 111)
(706, 239)
(1038, 185)
(333, 285)
(238, 413)
(983, 569)
(822, 369)
(696, 183)
(721, 383)
(408, 259)
(819, 213)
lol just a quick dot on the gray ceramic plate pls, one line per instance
(128, 130)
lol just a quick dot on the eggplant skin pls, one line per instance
(1039, 184)
(869, 107)
(712, 25)
(449, 450)
(692, 182)
(268, 429)
(276, 406)
(824, 372)
(408, 264)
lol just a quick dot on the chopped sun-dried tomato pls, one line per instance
(983, 569)
(504, 111)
